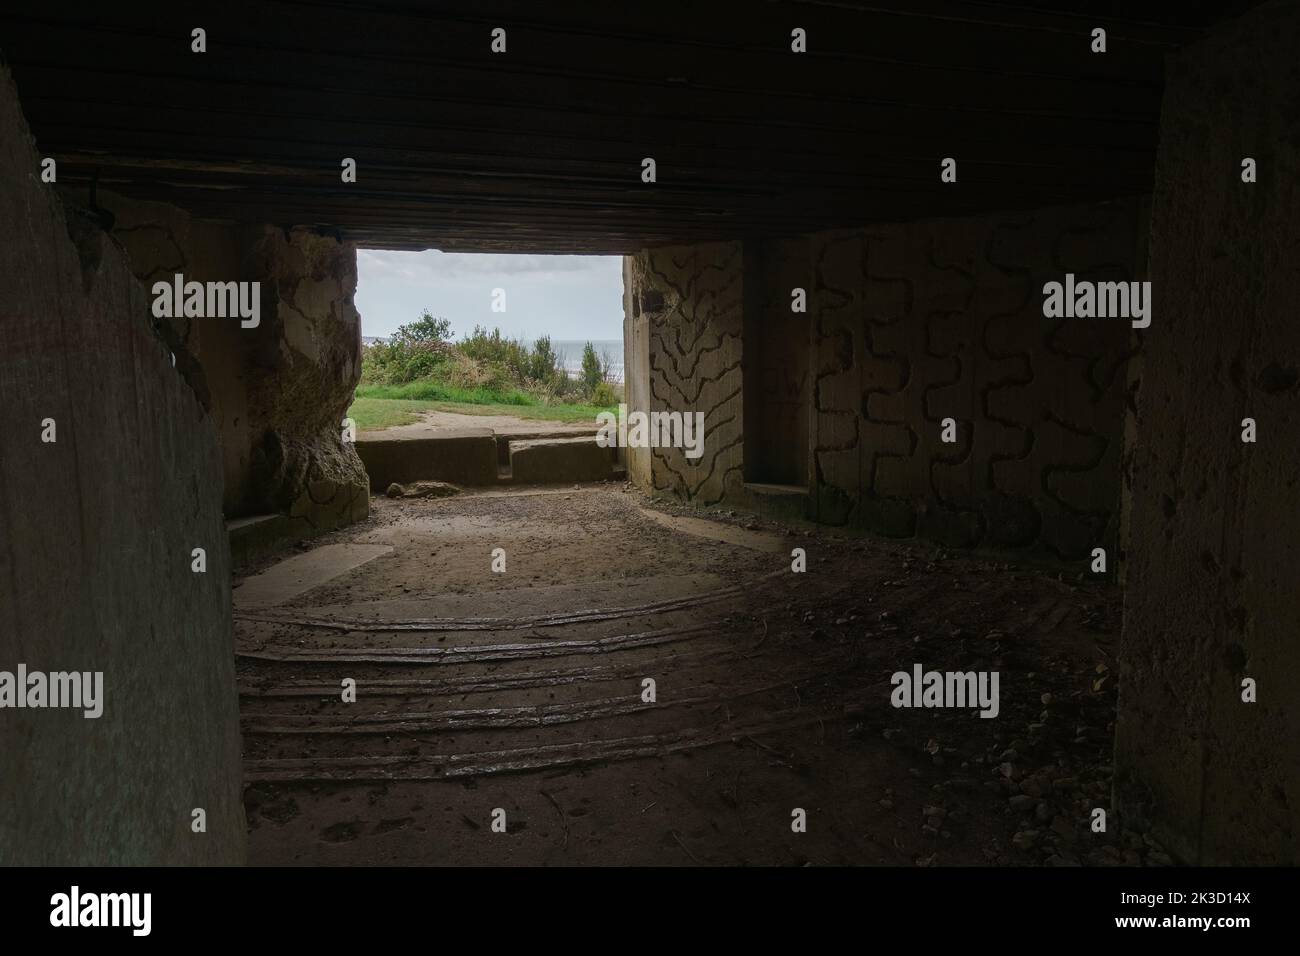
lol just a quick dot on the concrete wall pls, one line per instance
(919, 322)
(906, 325)
(278, 392)
(1211, 595)
(778, 353)
(96, 532)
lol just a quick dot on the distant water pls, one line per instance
(571, 352)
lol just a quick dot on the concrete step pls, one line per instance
(465, 456)
(557, 460)
(478, 456)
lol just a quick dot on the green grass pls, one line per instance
(373, 412)
(428, 391)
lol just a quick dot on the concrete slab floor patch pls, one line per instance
(729, 534)
(293, 576)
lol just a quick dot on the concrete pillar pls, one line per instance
(1214, 538)
(636, 370)
(690, 298)
(278, 392)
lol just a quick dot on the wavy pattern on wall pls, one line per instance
(914, 323)
(911, 324)
(692, 299)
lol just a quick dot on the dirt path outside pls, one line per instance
(435, 423)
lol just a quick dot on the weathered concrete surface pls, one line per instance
(277, 392)
(96, 534)
(256, 535)
(778, 383)
(636, 365)
(297, 575)
(921, 322)
(466, 456)
(305, 365)
(690, 298)
(550, 460)
(1211, 593)
(907, 324)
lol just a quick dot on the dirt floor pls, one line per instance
(523, 691)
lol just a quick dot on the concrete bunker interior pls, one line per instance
(881, 391)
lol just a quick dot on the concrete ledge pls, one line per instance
(255, 536)
(464, 457)
(778, 501)
(553, 460)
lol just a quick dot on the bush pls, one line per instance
(417, 350)
(425, 329)
(593, 371)
(544, 366)
(494, 349)
(482, 364)
(603, 396)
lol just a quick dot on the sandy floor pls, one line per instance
(523, 691)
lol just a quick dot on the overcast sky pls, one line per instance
(565, 297)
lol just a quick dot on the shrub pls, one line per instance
(416, 351)
(593, 371)
(483, 363)
(603, 395)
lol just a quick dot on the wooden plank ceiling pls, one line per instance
(539, 149)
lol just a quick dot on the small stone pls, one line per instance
(1021, 801)
(1025, 839)
(1031, 786)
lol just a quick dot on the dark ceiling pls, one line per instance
(540, 149)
